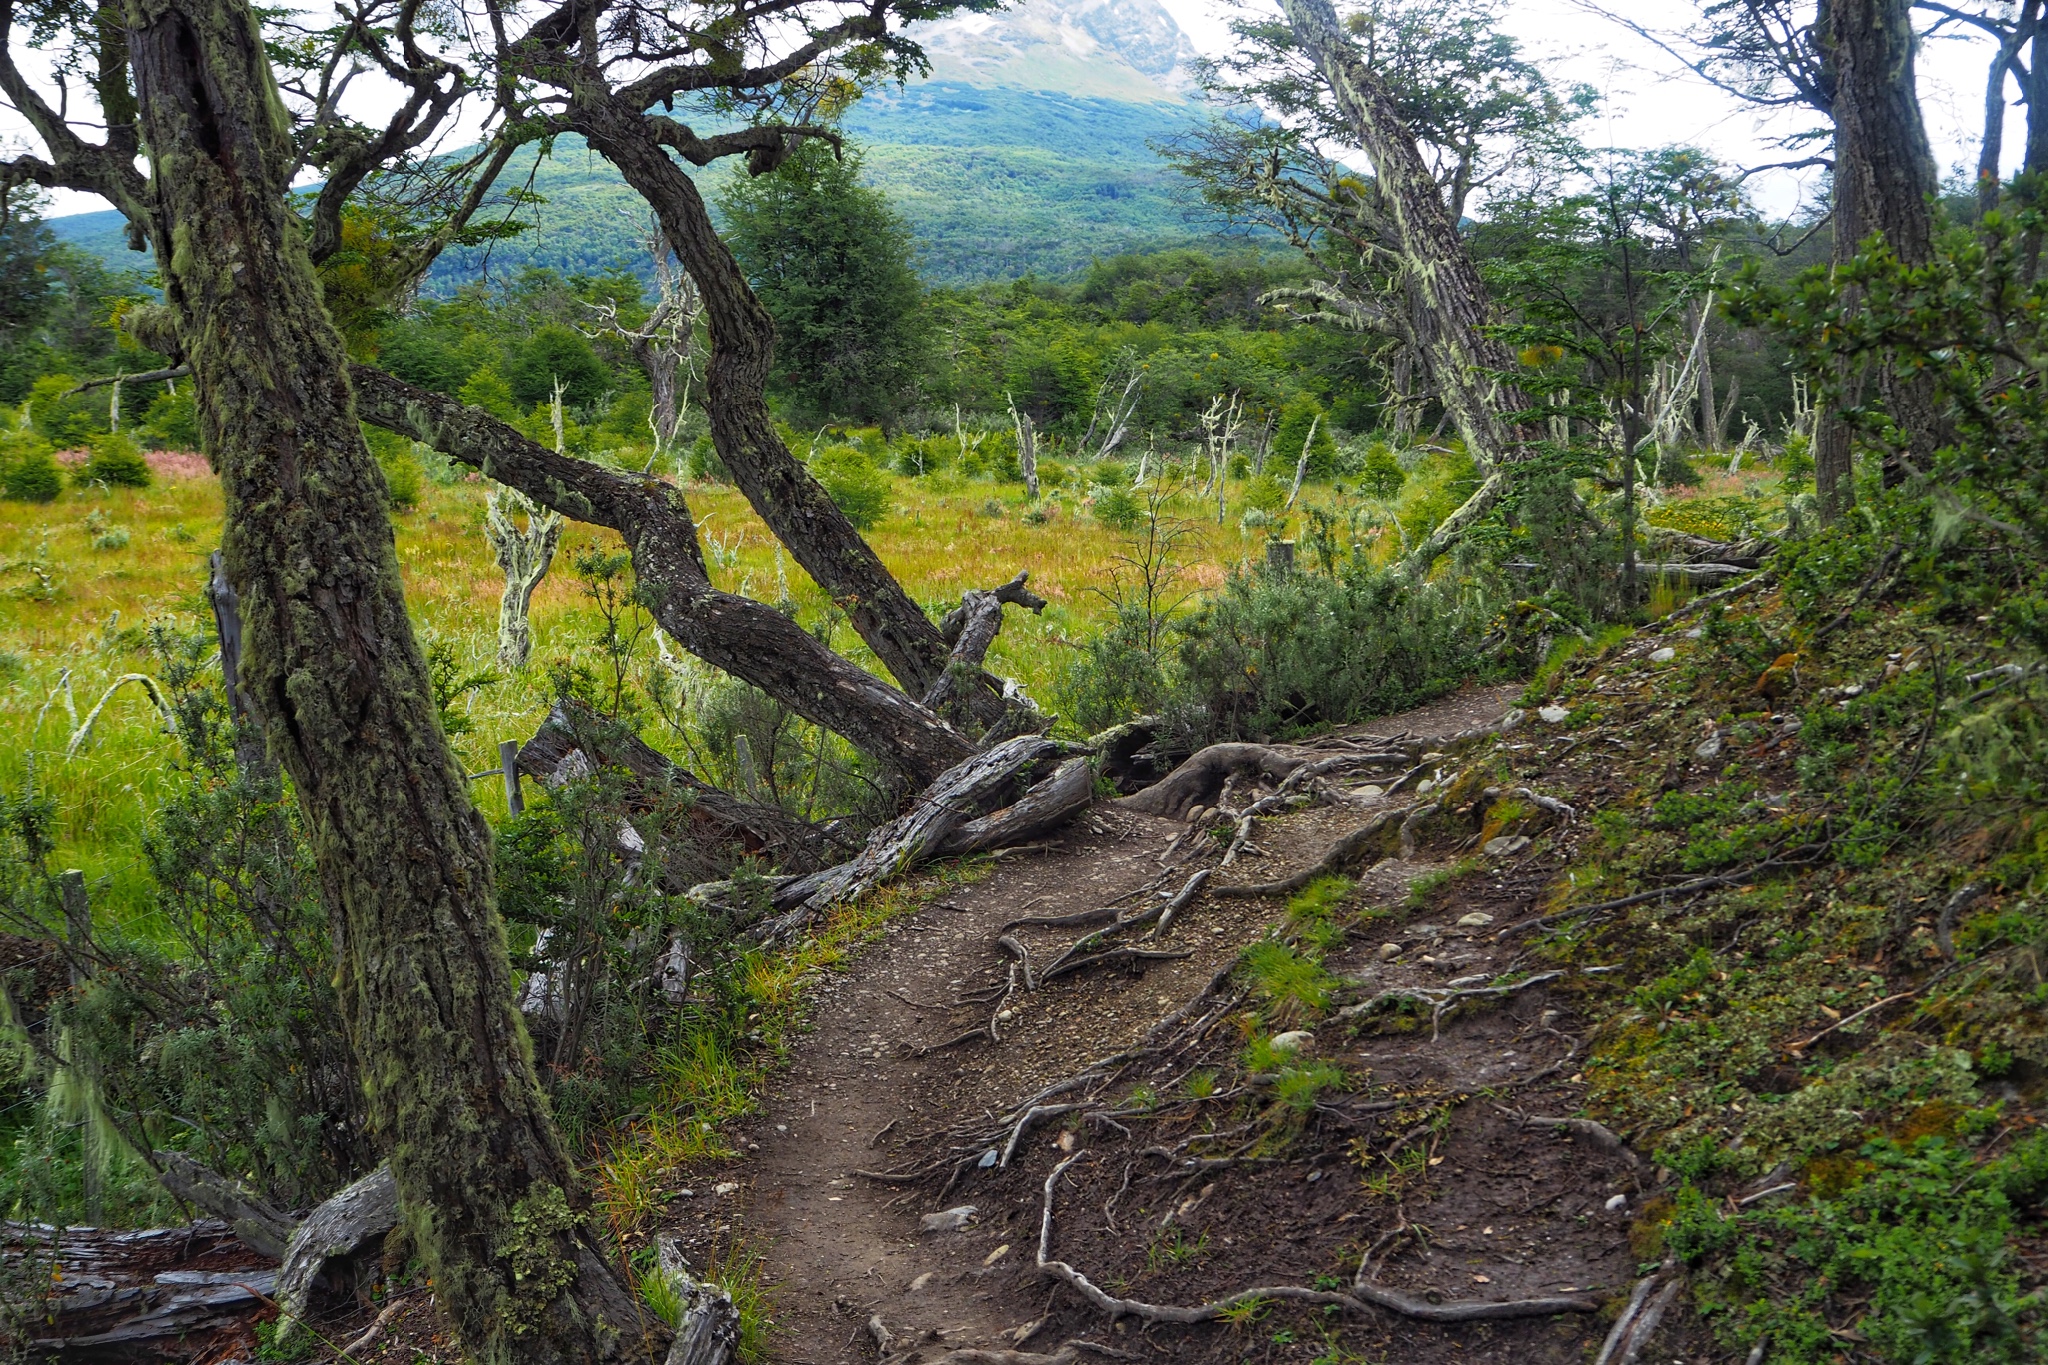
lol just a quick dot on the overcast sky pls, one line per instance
(1649, 100)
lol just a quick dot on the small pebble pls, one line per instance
(1551, 715)
(1475, 920)
(1389, 951)
(921, 1281)
(724, 1187)
(1663, 656)
(1293, 1041)
(1617, 1204)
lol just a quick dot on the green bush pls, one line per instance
(1296, 420)
(487, 389)
(704, 464)
(861, 490)
(1113, 677)
(116, 461)
(1675, 471)
(402, 477)
(1265, 494)
(552, 353)
(1381, 476)
(65, 419)
(1275, 654)
(1116, 508)
(172, 421)
(33, 476)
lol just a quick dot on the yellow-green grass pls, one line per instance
(88, 626)
(945, 535)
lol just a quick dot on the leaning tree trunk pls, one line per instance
(337, 679)
(1884, 171)
(1447, 303)
(747, 639)
(792, 503)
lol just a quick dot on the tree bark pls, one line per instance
(1885, 176)
(747, 639)
(799, 512)
(1448, 304)
(339, 683)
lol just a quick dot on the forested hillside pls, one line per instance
(1307, 707)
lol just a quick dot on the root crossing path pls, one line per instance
(890, 1226)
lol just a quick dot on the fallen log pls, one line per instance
(573, 742)
(263, 1229)
(989, 802)
(341, 1227)
(162, 1294)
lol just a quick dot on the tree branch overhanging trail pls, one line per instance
(748, 639)
(795, 507)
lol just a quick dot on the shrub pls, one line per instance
(1113, 676)
(1273, 654)
(402, 479)
(1265, 494)
(172, 421)
(116, 461)
(65, 419)
(704, 463)
(33, 477)
(1381, 476)
(487, 389)
(1675, 471)
(552, 353)
(861, 490)
(1296, 420)
(1117, 509)
(1796, 461)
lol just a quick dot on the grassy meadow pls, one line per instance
(82, 578)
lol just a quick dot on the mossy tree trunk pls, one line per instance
(1884, 182)
(792, 503)
(338, 681)
(1469, 367)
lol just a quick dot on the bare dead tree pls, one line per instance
(664, 344)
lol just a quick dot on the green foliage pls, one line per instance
(1265, 494)
(1116, 508)
(1274, 654)
(116, 461)
(1922, 1237)
(171, 422)
(861, 491)
(1115, 675)
(557, 353)
(487, 389)
(831, 261)
(1381, 476)
(1290, 987)
(32, 476)
(66, 420)
(1293, 435)
(402, 476)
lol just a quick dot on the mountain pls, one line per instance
(1027, 150)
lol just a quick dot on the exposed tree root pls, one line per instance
(1364, 1293)
(1336, 858)
(1442, 1000)
(1197, 781)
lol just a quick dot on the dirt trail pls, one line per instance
(1509, 1212)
